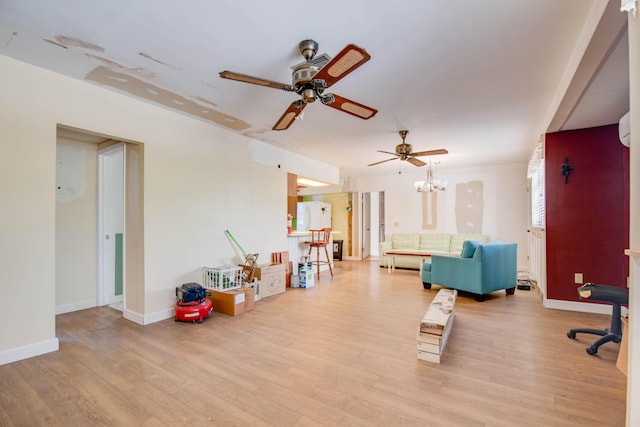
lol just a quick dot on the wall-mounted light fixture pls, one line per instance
(566, 169)
(431, 183)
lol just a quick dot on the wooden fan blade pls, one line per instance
(256, 81)
(289, 115)
(382, 161)
(352, 107)
(388, 152)
(416, 162)
(350, 58)
(430, 152)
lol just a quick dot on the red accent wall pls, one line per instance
(587, 219)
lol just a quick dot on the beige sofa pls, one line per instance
(423, 246)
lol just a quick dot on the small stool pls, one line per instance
(426, 275)
(612, 294)
(320, 239)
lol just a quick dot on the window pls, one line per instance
(535, 173)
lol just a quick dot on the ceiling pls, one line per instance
(482, 79)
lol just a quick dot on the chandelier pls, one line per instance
(431, 184)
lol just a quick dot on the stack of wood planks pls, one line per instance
(436, 326)
(283, 258)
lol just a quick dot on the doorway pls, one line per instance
(372, 231)
(366, 225)
(86, 260)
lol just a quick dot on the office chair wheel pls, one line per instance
(571, 335)
(591, 351)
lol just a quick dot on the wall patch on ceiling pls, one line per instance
(141, 89)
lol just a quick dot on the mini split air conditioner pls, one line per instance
(624, 129)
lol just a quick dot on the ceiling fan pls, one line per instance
(311, 78)
(404, 152)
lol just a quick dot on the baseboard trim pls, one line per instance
(160, 315)
(75, 306)
(133, 316)
(28, 351)
(584, 307)
(146, 319)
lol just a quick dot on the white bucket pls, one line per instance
(295, 281)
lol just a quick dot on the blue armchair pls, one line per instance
(480, 269)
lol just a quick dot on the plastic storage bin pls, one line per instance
(222, 278)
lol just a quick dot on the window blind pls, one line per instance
(535, 172)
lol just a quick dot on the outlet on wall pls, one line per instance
(578, 278)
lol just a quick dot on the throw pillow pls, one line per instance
(468, 248)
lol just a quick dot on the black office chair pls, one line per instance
(612, 294)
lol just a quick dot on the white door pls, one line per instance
(110, 225)
(375, 223)
(381, 217)
(366, 225)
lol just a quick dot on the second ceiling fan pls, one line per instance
(405, 151)
(311, 78)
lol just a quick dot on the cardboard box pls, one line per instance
(272, 279)
(255, 285)
(233, 302)
(283, 258)
(306, 278)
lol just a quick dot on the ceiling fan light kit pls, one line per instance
(311, 78)
(431, 184)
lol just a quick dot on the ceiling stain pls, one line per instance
(112, 64)
(206, 101)
(256, 133)
(146, 55)
(55, 43)
(141, 89)
(15, 33)
(70, 41)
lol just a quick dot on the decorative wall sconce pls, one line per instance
(566, 170)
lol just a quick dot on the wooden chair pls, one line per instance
(320, 239)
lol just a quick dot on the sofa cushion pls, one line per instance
(437, 242)
(405, 241)
(468, 248)
(458, 239)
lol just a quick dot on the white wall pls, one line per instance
(504, 202)
(76, 223)
(198, 181)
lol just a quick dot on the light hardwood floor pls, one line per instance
(340, 354)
